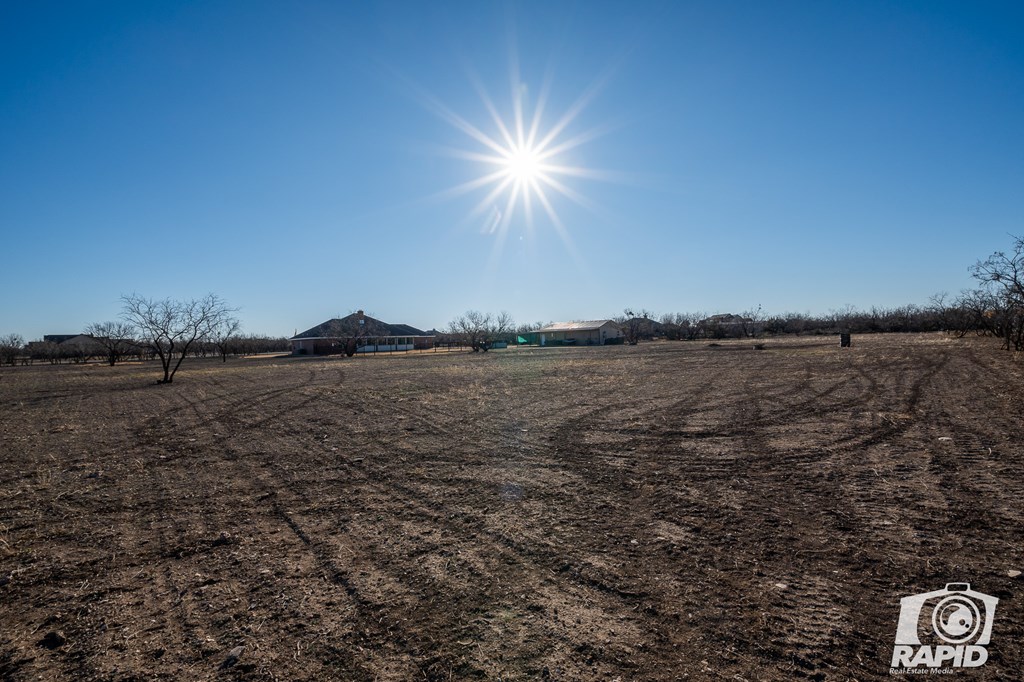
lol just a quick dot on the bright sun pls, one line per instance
(524, 164)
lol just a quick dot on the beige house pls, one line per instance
(586, 333)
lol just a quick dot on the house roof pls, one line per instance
(585, 325)
(405, 330)
(86, 341)
(348, 327)
(728, 318)
(645, 322)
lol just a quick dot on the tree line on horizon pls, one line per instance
(993, 308)
(167, 329)
(171, 330)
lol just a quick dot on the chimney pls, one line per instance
(362, 318)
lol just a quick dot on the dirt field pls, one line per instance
(662, 512)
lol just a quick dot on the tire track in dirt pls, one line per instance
(476, 531)
(67, 416)
(440, 521)
(239, 403)
(817, 614)
(820, 616)
(488, 557)
(210, 436)
(182, 626)
(232, 422)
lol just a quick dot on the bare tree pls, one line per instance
(941, 310)
(223, 333)
(528, 327)
(45, 350)
(633, 324)
(1002, 276)
(472, 329)
(500, 327)
(752, 321)
(173, 327)
(972, 311)
(11, 346)
(116, 338)
(253, 344)
(361, 332)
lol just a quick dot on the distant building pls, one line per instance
(727, 324)
(726, 318)
(644, 327)
(59, 338)
(80, 347)
(586, 333)
(75, 344)
(360, 334)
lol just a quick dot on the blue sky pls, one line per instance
(794, 155)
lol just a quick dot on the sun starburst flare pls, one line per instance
(525, 165)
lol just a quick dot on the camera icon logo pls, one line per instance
(945, 628)
(956, 619)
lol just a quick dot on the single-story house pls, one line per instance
(727, 324)
(360, 333)
(74, 345)
(586, 333)
(644, 327)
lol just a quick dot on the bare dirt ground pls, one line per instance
(662, 512)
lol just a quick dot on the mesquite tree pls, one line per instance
(11, 346)
(1002, 286)
(172, 327)
(479, 330)
(116, 338)
(223, 335)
